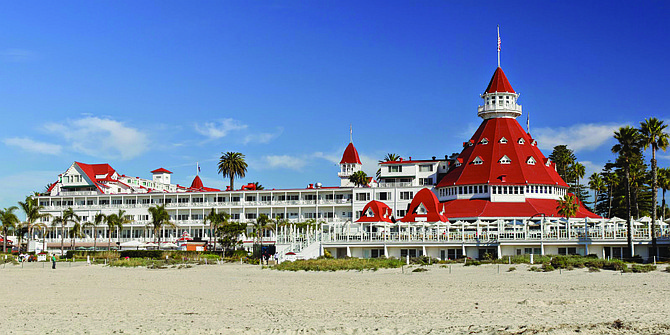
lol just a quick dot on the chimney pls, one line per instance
(434, 157)
(410, 157)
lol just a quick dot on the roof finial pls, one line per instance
(498, 45)
(351, 133)
(197, 168)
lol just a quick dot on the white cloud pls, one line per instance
(101, 137)
(285, 162)
(262, 137)
(579, 137)
(33, 146)
(17, 55)
(220, 128)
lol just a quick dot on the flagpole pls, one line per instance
(498, 45)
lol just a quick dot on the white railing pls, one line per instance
(398, 184)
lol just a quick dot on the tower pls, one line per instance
(349, 164)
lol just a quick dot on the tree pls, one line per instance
(628, 149)
(68, 215)
(32, 208)
(229, 234)
(564, 158)
(99, 220)
(231, 165)
(261, 225)
(653, 135)
(159, 219)
(74, 232)
(215, 221)
(596, 184)
(611, 179)
(115, 222)
(664, 184)
(259, 186)
(567, 206)
(359, 178)
(390, 157)
(576, 172)
(9, 221)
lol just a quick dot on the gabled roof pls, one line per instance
(93, 170)
(499, 83)
(429, 201)
(518, 172)
(382, 212)
(350, 155)
(161, 170)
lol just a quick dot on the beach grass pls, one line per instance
(340, 264)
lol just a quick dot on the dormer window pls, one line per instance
(478, 161)
(521, 141)
(503, 140)
(533, 143)
(505, 160)
(531, 160)
(484, 141)
(548, 163)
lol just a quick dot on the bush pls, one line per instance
(155, 254)
(534, 269)
(547, 267)
(327, 254)
(420, 270)
(340, 264)
(594, 269)
(636, 268)
(422, 260)
(473, 262)
(511, 268)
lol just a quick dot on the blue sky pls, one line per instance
(142, 85)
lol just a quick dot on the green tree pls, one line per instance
(262, 224)
(564, 158)
(231, 165)
(664, 184)
(259, 186)
(390, 157)
(596, 184)
(159, 219)
(9, 221)
(215, 221)
(32, 208)
(653, 134)
(229, 235)
(116, 221)
(68, 216)
(99, 220)
(359, 178)
(75, 232)
(628, 148)
(567, 206)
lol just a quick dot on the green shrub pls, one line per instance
(422, 260)
(534, 269)
(473, 262)
(420, 270)
(155, 254)
(327, 254)
(340, 264)
(511, 268)
(636, 268)
(547, 267)
(594, 269)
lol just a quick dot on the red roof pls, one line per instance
(382, 212)
(197, 185)
(499, 83)
(161, 170)
(350, 155)
(483, 208)
(429, 201)
(518, 148)
(92, 170)
(410, 161)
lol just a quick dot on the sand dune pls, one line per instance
(243, 299)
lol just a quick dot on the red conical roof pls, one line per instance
(499, 83)
(480, 162)
(197, 183)
(350, 155)
(161, 170)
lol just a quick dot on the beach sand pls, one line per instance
(244, 299)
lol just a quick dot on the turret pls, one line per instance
(349, 164)
(500, 100)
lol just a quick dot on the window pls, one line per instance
(309, 215)
(310, 196)
(395, 168)
(182, 200)
(198, 200)
(567, 251)
(376, 253)
(401, 212)
(505, 160)
(384, 196)
(248, 198)
(116, 201)
(484, 141)
(362, 196)
(530, 161)
(266, 198)
(521, 140)
(454, 253)
(425, 181)
(411, 253)
(251, 216)
(478, 161)
(406, 195)
(235, 199)
(235, 216)
(425, 168)
(503, 140)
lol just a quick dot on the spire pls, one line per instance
(351, 133)
(350, 155)
(499, 83)
(498, 45)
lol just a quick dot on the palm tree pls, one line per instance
(359, 178)
(159, 218)
(653, 134)
(263, 223)
(98, 220)
(116, 221)
(576, 171)
(74, 232)
(567, 206)
(215, 221)
(596, 184)
(43, 227)
(68, 215)
(390, 157)
(232, 164)
(628, 148)
(611, 180)
(9, 222)
(259, 186)
(664, 184)
(32, 208)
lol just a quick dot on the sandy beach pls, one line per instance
(244, 299)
